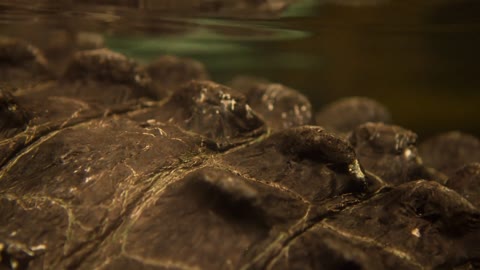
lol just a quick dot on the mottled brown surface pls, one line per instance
(96, 173)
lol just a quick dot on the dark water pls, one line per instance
(420, 58)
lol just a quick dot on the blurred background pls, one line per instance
(419, 58)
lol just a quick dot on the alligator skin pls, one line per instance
(115, 165)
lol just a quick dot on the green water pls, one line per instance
(420, 58)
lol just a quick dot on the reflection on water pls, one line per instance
(420, 58)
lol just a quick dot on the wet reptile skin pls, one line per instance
(114, 165)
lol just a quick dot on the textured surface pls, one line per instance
(114, 166)
(344, 115)
(280, 106)
(21, 65)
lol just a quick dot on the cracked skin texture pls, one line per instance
(194, 178)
